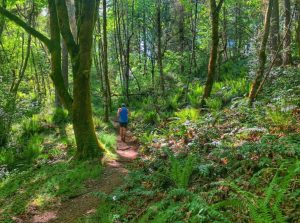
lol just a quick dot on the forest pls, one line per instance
(159, 111)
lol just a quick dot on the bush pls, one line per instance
(31, 126)
(279, 118)
(185, 114)
(33, 148)
(60, 116)
(181, 170)
(266, 209)
(195, 95)
(151, 117)
(215, 104)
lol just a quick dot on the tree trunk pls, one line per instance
(181, 30)
(56, 65)
(2, 20)
(215, 11)
(105, 66)
(159, 51)
(287, 56)
(275, 33)
(64, 71)
(298, 28)
(262, 54)
(86, 139)
(145, 48)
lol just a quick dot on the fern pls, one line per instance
(266, 209)
(180, 173)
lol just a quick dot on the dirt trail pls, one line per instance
(84, 205)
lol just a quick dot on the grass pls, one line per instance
(42, 186)
(109, 141)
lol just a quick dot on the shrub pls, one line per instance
(33, 148)
(31, 126)
(266, 209)
(215, 104)
(151, 117)
(185, 114)
(195, 95)
(181, 170)
(60, 116)
(279, 118)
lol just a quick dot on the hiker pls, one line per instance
(123, 120)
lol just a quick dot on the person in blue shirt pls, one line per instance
(123, 114)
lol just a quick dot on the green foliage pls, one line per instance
(215, 104)
(190, 114)
(151, 117)
(267, 209)
(181, 170)
(31, 126)
(33, 148)
(60, 116)
(279, 118)
(195, 95)
(39, 186)
(170, 209)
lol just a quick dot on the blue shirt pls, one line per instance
(123, 115)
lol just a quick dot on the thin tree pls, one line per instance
(298, 28)
(159, 46)
(214, 13)
(275, 33)
(287, 56)
(105, 66)
(262, 54)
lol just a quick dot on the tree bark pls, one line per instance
(262, 54)
(86, 139)
(159, 50)
(275, 32)
(56, 66)
(298, 28)
(287, 56)
(105, 66)
(181, 30)
(215, 11)
(64, 70)
(2, 20)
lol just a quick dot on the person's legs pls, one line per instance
(121, 132)
(124, 133)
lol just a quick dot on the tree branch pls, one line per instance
(64, 24)
(25, 26)
(219, 6)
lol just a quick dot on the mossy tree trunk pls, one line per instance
(107, 91)
(159, 50)
(262, 55)
(298, 29)
(275, 33)
(81, 57)
(214, 11)
(80, 108)
(287, 56)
